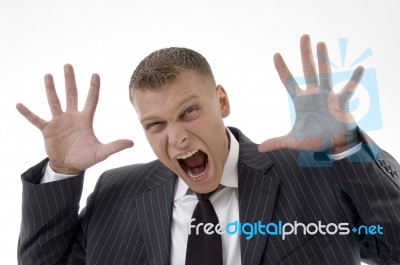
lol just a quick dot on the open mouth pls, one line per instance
(194, 163)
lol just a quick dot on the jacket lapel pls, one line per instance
(155, 214)
(257, 195)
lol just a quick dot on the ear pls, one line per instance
(223, 100)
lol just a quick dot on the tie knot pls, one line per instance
(206, 196)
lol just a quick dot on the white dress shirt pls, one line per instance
(226, 204)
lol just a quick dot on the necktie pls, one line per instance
(204, 249)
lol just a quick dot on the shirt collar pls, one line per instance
(229, 175)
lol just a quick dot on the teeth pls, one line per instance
(187, 169)
(188, 154)
(194, 176)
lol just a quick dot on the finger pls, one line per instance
(274, 144)
(310, 74)
(31, 117)
(351, 86)
(287, 142)
(114, 147)
(324, 67)
(52, 98)
(286, 76)
(93, 95)
(70, 88)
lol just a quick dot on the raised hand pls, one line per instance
(69, 139)
(323, 120)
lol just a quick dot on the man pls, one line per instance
(140, 214)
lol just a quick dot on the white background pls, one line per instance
(238, 38)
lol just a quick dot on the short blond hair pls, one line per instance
(164, 65)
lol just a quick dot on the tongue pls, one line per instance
(197, 162)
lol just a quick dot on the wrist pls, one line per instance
(351, 142)
(64, 170)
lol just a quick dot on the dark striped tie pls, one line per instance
(204, 249)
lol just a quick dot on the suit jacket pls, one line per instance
(127, 218)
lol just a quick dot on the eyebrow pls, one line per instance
(179, 103)
(182, 100)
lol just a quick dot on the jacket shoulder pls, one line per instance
(133, 178)
(134, 170)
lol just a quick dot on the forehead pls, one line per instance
(185, 86)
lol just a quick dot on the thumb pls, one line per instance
(272, 144)
(115, 147)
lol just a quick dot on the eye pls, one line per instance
(191, 113)
(154, 127)
(190, 110)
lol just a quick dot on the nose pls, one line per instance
(177, 136)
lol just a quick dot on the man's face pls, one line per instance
(183, 122)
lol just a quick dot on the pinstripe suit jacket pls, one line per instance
(128, 216)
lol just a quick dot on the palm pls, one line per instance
(323, 120)
(70, 141)
(319, 123)
(71, 135)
